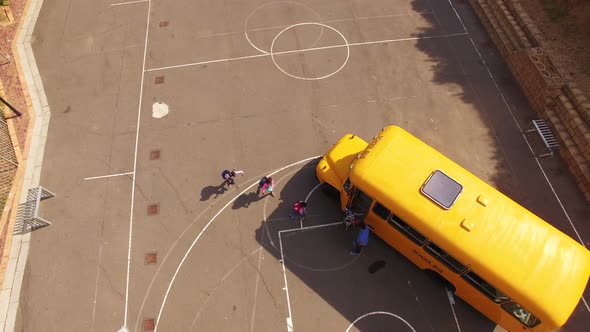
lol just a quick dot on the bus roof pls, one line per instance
(540, 267)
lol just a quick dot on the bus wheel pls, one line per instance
(440, 279)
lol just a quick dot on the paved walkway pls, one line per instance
(31, 142)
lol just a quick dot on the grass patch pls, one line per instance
(555, 11)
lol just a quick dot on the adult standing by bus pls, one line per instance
(362, 239)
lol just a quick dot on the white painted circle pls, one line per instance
(319, 19)
(159, 110)
(380, 313)
(272, 53)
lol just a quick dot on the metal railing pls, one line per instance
(8, 163)
(27, 216)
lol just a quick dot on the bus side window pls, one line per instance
(346, 185)
(445, 258)
(381, 211)
(523, 315)
(487, 289)
(406, 229)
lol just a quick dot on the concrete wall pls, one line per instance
(553, 95)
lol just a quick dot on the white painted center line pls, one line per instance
(306, 50)
(107, 176)
(128, 3)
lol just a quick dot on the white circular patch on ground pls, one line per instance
(159, 110)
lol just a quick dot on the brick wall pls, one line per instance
(552, 95)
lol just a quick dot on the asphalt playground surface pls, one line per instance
(142, 227)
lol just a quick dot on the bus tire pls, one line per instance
(440, 279)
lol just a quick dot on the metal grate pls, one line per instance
(549, 140)
(27, 215)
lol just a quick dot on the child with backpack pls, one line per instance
(298, 210)
(228, 176)
(268, 186)
(262, 182)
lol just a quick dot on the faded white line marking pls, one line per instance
(127, 3)
(107, 176)
(305, 50)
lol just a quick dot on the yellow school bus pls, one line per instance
(515, 268)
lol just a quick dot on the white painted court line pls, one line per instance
(128, 3)
(208, 62)
(521, 132)
(309, 227)
(203, 231)
(98, 267)
(360, 18)
(452, 303)
(220, 283)
(363, 18)
(256, 287)
(286, 288)
(260, 255)
(145, 46)
(381, 313)
(107, 176)
(306, 50)
(168, 253)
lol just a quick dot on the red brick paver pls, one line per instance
(16, 95)
(9, 75)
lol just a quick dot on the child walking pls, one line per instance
(268, 187)
(298, 210)
(228, 176)
(265, 180)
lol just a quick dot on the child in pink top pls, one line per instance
(268, 187)
(298, 210)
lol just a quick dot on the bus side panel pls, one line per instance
(398, 241)
(417, 255)
(494, 311)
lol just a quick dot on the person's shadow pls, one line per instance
(244, 200)
(208, 191)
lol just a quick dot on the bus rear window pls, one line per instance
(406, 229)
(487, 289)
(445, 258)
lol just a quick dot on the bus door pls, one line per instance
(360, 203)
